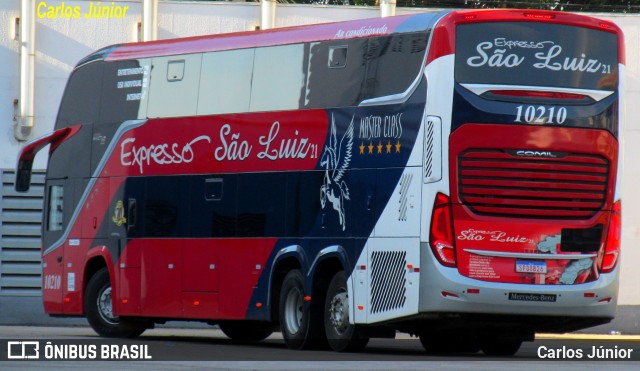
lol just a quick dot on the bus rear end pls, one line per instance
(528, 237)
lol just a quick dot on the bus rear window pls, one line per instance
(536, 54)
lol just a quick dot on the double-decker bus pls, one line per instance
(452, 175)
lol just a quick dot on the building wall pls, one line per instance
(61, 42)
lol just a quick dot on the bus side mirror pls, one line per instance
(28, 154)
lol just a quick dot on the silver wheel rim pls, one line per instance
(105, 306)
(293, 311)
(339, 312)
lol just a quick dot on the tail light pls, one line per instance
(538, 94)
(612, 247)
(441, 233)
(545, 17)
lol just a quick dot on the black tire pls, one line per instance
(301, 324)
(98, 306)
(500, 346)
(342, 335)
(434, 343)
(245, 331)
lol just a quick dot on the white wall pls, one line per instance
(61, 43)
(630, 289)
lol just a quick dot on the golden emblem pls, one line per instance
(118, 215)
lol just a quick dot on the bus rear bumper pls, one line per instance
(445, 290)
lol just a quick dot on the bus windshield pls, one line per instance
(536, 54)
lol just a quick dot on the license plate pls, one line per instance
(531, 266)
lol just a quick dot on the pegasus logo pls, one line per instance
(336, 159)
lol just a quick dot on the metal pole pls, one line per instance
(268, 12)
(149, 20)
(387, 8)
(25, 119)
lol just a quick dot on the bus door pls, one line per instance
(58, 276)
(123, 220)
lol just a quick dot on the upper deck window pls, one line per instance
(81, 100)
(536, 54)
(344, 73)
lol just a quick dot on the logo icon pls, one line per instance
(23, 350)
(534, 153)
(118, 215)
(336, 159)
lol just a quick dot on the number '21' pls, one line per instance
(541, 114)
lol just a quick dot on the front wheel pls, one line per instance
(342, 335)
(98, 305)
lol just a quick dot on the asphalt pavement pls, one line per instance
(179, 348)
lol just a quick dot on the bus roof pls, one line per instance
(276, 36)
(345, 30)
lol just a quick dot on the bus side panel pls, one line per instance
(242, 261)
(200, 282)
(161, 278)
(52, 272)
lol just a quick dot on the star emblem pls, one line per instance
(388, 147)
(379, 146)
(398, 146)
(361, 148)
(370, 147)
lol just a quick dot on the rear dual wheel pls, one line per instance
(301, 323)
(343, 336)
(316, 324)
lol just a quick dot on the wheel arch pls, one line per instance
(97, 259)
(327, 263)
(287, 259)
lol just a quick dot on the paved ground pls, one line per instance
(209, 348)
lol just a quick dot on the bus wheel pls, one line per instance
(500, 346)
(301, 325)
(98, 306)
(245, 330)
(342, 335)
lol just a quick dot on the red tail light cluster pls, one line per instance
(441, 233)
(538, 94)
(539, 16)
(612, 248)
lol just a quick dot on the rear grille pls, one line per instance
(494, 182)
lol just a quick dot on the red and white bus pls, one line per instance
(452, 175)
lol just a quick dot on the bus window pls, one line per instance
(385, 55)
(225, 82)
(56, 208)
(344, 73)
(173, 96)
(81, 101)
(278, 78)
(328, 86)
(125, 85)
(536, 54)
(337, 57)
